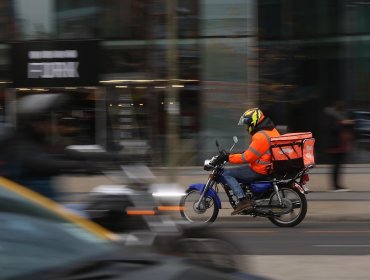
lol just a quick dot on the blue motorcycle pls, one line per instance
(280, 198)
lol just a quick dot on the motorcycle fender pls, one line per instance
(298, 187)
(210, 192)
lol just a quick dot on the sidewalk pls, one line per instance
(356, 176)
(323, 205)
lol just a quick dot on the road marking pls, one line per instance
(337, 231)
(245, 231)
(277, 231)
(342, 246)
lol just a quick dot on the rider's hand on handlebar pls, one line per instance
(222, 157)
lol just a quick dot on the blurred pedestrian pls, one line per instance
(340, 138)
(28, 156)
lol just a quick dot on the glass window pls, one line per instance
(72, 19)
(225, 60)
(302, 18)
(269, 18)
(359, 16)
(331, 17)
(129, 110)
(130, 120)
(147, 19)
(224, 18)
(124, 19)
(125, 59)
(189, 58)
(8, 21)
(78, 19)
(361, 70)
(188, 18)
(306, 18)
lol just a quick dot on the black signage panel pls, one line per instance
(55, 63)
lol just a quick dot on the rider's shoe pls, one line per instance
(243, 205)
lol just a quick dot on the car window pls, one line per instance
(33, 237)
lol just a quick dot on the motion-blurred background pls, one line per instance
(156, 82)
(170, 74)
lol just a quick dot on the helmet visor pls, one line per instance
(244, 121)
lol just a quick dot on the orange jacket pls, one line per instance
(258, 153)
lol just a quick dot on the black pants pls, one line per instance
(337, 161)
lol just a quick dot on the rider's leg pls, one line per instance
(243, 174)
(246, 175)
(229, 177)
(240, 174)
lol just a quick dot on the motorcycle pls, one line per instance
(281, 199)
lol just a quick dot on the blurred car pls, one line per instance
(39, 239)
(362, 124)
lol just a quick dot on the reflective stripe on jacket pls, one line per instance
(258, 153)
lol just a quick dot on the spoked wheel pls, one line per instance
(205, 212)
(295, 210)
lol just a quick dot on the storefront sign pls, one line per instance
(55, 63)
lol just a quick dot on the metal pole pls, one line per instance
(101, 132)
(172, 105)
(10, 107)
(252, 53)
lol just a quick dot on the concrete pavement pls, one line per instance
(314, 267)
(356, 177)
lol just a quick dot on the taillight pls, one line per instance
(305, 178)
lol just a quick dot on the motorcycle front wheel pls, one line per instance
(205, 212)
(298, 203)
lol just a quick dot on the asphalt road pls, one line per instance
(312, 250)
(260, 237)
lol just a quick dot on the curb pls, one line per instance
(320, 212)
(308, 218)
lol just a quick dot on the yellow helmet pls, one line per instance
(251, 118)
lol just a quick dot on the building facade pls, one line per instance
(194, 80)
(311, 54)
(210, 79)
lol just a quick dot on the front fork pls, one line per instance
(208, 185)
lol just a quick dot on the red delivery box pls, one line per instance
(292, 152)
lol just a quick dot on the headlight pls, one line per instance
(207, 165)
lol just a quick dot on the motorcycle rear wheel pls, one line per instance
(207, 212)
(298, 211)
